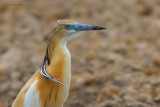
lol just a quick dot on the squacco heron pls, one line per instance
(49, 86)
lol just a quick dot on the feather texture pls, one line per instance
(41, 90)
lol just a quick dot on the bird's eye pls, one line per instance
(66, 26)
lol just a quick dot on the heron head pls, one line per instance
(68, 29)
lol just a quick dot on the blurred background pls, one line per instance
(117, 67)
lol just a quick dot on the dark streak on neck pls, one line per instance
(45, 103)
(55, 95)
(50, 95)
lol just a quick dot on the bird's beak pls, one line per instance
(86, 27)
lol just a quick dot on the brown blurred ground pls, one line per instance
(118, 67)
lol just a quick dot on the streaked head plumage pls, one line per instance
(71, 29)
(61, 22)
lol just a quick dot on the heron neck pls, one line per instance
(59, 58)
(56, 41)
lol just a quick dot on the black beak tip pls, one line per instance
(98, 28)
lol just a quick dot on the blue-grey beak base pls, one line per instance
(86, 27)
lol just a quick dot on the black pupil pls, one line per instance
(67, 26)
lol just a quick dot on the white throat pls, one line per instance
(71, 34)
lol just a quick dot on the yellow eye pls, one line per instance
(66, 27)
